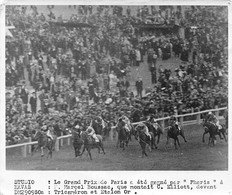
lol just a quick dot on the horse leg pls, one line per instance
(154, 143)
(175, 143)
(118, 143)
(211, 141)
(101, 145)
(149, 146)
(210, 138)
(178, 141)
(144, 149)
(158, 140)
(49, 152)
(75, 151)
(89, 153)
(42, 151)
(182, 135)
(167, 141)
(223, 133)
(203, 137)
(41, 154)
(82, 151)
(99, 148)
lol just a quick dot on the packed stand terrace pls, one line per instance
(59, 77)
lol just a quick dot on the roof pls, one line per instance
(72, 24)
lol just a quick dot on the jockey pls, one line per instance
(174, 121)
(154, 122)
(213, 119)
(48, 131)
(91, 132)
(144, 129)
(126, 121)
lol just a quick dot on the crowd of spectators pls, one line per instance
(67, 76)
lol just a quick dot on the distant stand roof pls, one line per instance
(72, 24)
(157, 26)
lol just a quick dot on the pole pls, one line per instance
(57, 145)
(61, 140)
(29, 146)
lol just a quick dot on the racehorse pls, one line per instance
(173, 132)
(212, 129)
(123, 135)
(156, 130)
(219, 132)
(90, 143)
(45, 142)
(77, 142)
(144, 140)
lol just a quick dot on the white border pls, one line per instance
(6, 177)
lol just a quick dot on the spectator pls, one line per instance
(139, 87)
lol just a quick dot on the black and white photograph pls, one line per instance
(116, 87)
(115, 97)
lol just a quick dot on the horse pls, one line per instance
(219, 132)
(144, 140)
(212, 129)
(156, 130)
(45, 142)
(123, 135)
(77, 142)
(89, 143)
(173, 132)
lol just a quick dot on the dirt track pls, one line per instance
(193, 155)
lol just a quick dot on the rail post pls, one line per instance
(24, 151)
(116, 135)
(162, 124)
(57, 145)
(181, 120)
(68, 141)
(216, 112)
(111, 134)
(61, 140)
(198, 116)
(29, 146)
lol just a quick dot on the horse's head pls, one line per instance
(83, 135)
(173, 128)
(204, 122)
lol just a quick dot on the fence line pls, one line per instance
(26, 147)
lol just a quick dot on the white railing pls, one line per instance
(26, 147)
